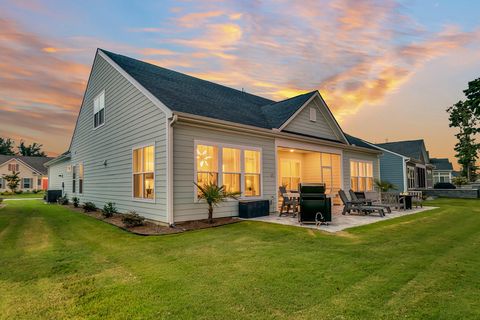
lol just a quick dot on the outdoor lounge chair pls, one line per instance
(287, 202)
(353, 197)
(359, 206)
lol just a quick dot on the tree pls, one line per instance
(214, 195)
(13, 180)
(465, 115)
(6, 146)
(33, 150)
(384, 186)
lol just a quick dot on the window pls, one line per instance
(26, 183)
(313, 114)
(39, 181)
(441, 177)
(143, 172)
(2, 183)
(99, 110)
(80, 178)
(74, 179)
(207, 165)
(361, 175)
(290, 173)
(13, 167)
(237, 168)
(232, 172)
(252, 173)
(411, 177)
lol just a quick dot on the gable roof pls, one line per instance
(412, 148)
(187, 94)
(441, 163)
(36, 163)
(359, 142)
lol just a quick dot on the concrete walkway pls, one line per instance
(339, 221)
(21, 199)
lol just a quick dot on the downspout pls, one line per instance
(171, 122)
(405, 178)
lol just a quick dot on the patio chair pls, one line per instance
(359, 206)
(354, 197)
(417, 198)
(287, 202)
(392, 199)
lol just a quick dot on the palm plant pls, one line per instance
(214, 195)
(385, 186)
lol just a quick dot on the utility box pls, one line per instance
(253, 208)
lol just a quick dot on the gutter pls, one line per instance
(228, 126)
(60, 158)
(170, 123)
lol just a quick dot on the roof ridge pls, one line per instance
(284, 100)
(402, 141)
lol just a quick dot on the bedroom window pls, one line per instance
(235, 167)
(143, 173)
(207, 165)
(99, 110)
(231, 169)
(361, 175)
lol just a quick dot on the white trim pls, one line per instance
(405, 178)
(104, 110)
(333, 117)
(306, 146)
(169, 169)
(313, 114)
(137, 85)
(136, 147)
(362, 161)
(220, 146)
(293, 116)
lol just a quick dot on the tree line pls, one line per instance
(465, 116)
(7, 147)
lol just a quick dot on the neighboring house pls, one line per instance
(406, 164)
(145, 134)
(443, 171)
(33, 174)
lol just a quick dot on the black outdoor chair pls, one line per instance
(358, 205)
(360, 196)
(287, 202)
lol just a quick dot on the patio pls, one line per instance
(341, 222)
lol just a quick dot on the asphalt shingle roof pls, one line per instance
(187, 94)
(36, 163)
(411, 149)
(359, 142)
(441, 163)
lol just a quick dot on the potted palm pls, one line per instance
(385, 186)
(214, 195)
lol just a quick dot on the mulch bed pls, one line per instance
(149, 228)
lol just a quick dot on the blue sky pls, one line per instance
(387, 69)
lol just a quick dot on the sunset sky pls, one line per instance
(387, 69)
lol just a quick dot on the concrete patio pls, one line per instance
(341, 222)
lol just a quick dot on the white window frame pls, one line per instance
(358, 172)
(313, 114)
(132, 173)
(291, 177)
(81, 169)
(30, 186)
(104, 110)
(220, 146)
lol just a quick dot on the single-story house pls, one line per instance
(32, 172)
(145, 134)
(443, 171)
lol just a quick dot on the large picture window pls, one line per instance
(143, 172)
(361, 175)
(99, 110)
(290, 173)
(236, 168)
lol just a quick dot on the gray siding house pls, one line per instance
(145, 134)
(443, 171)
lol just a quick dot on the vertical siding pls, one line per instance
(352, 155)
(322, 128)
(184, 205)
(131, 119)
(391, 169)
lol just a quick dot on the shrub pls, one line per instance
(89, 207)
(460, 181)
(444, 185)
(109, 209)
(133, 219)
(36, 191)
(63, 200)
(18, 191)
(75, 202)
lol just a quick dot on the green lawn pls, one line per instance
(55, 263)
(23, 195)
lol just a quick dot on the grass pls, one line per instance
(24, 195)
(55, 263)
